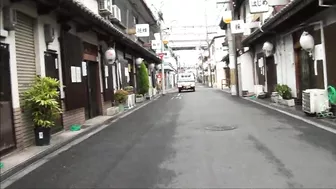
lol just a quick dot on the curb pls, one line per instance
(16, 169)
(311, 122)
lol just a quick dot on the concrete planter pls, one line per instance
(275, 97)
(130, 102)
(139, 99)
(289, 102)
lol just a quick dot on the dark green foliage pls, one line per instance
(143, 80)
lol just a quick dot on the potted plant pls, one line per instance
(121, 98)
(139, 98)
(129, 89)
(285, 95)
(41, 100)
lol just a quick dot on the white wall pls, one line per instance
(284, 58)
(220, 74)
(246, 60)
(91, 4)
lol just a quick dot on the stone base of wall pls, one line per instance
(71, 117)
(106, 104)
(24, 130)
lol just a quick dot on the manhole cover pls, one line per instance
(220, 128)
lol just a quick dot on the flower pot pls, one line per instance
(121, 107)
(42, 136)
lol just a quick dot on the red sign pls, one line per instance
(161, 55)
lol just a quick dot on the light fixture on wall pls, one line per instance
(307, 42)
(138, 62)
(268, 48)
(151, 66)
(110, 56)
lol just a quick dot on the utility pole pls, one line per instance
(207, 40)
(232, 57)
(163, 85)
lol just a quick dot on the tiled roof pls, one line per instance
(276, 17)
(109, 26)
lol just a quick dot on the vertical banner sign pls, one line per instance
(258, 6)
(156, 44)
(237, 26)
(142, 30)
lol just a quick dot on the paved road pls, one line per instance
(166, 144)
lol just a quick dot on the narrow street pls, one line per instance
(169, 144)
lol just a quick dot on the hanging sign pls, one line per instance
(142, 30)
(258, 6)
(227, 17)
(237, 26)
(156, 44)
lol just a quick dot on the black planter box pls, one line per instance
(42, 136)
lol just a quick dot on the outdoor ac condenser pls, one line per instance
(315, 101)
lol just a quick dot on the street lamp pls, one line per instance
(110, 56)
(307, 42)
(138, 62)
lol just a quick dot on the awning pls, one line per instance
(105, 25)
(293, 8)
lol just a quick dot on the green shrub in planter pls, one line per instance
(121, 96)
(41, 100)
(284, 91)
(139, 96)
(129, 89)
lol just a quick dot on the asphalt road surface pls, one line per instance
(168, 144)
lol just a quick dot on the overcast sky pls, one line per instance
(187, 13)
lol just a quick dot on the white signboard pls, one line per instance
(237, 26)
(156, 44)
(258, 6)
(142, 30)
(277, 2)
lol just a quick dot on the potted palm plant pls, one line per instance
(41, 101)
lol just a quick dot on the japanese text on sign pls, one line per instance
(258, 6)
(237, 26)
(142, 30)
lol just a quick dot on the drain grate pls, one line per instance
(220, 128)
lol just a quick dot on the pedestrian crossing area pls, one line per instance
(177, 96)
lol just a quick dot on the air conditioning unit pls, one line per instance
(9, 18)
(105, 7)
(315, 101)
(116, 14)
(49, 33)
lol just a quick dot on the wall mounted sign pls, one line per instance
(237, 26)
(156, 44)
(258, 6)
(142, 30)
